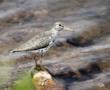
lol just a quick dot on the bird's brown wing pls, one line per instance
(37, 42)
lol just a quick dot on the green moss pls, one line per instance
(4, 74)
(6, 66)
(24, 83)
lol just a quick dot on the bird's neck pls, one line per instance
(54, 32)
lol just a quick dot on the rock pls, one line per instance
(71, 66)
(43, 80)
(86, 31)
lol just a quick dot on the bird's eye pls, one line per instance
(59, 24)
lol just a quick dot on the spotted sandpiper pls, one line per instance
(43, 42)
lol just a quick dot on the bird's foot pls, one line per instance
(39, 67)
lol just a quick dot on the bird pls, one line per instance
(42, 42)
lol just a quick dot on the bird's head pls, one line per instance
(59, 27)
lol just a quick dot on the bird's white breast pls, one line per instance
(54, 35)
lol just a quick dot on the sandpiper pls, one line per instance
(43, 42)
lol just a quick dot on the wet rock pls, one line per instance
(74, 68)
(86, 31)
(42, 80)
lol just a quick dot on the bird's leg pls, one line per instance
(35, 57)
(41, 56)
(35, 61)
(43, 53)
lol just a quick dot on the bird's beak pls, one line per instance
(67, 29)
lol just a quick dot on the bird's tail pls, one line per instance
(14, 51)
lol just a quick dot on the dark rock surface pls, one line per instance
(81, 58)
